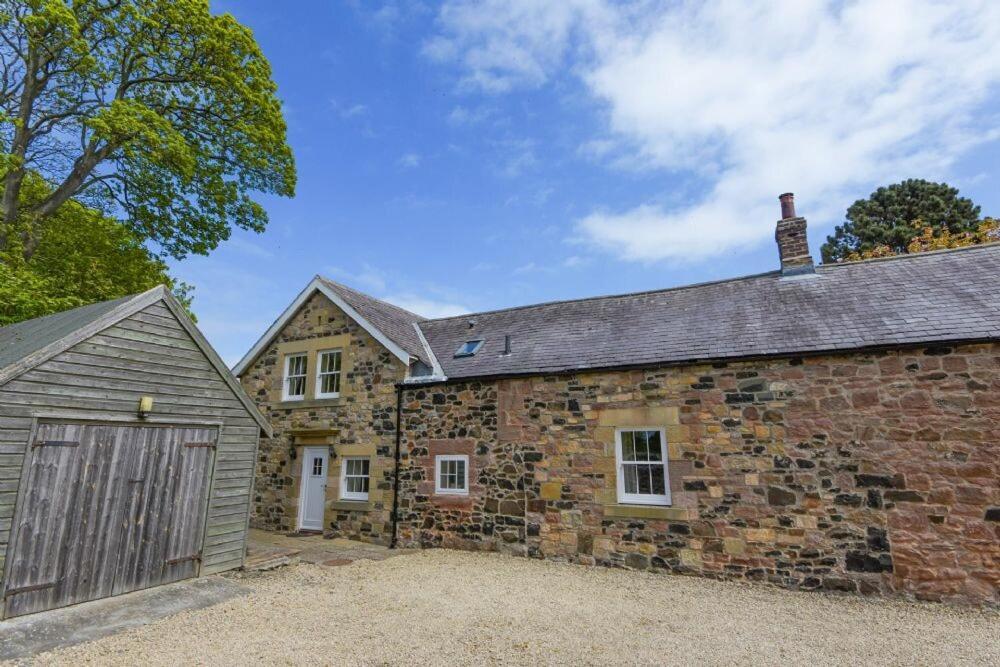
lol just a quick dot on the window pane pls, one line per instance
(659, 483)
(655, 446)
(641, 445)
(331, 384)
(459, 474)
(641, 479)
(628, 446)
(631, 479)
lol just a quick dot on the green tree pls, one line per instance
(82, 257)
(893, 216)
(154, 111)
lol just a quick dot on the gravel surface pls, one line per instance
(448, 607)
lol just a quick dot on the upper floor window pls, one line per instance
(642, 466)
(328, 377)
(294, 384)
(468, 348)
(451, 474)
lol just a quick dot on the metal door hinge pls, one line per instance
(200, 444)
(30, 589)
(184, 559)
(55, 443)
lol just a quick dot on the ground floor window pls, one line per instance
(451, 474)
(642, 466)
(354, 478)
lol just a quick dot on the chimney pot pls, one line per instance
(793, 244)
(787, 205)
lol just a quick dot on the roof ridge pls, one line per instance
(623, 295)
(419, 318)
(913, 255)
(677, 288)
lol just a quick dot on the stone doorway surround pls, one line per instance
(298, 440)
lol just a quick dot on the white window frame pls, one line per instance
(642, 498)
(354, 495)
(441, 458)
(320, 374)
(286, 378)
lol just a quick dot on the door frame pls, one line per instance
(302, 485)
(96, 419)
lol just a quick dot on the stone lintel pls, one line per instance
(650, 512)
(351, 505)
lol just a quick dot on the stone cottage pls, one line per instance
(818, 427)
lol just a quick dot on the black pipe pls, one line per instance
(395, 484)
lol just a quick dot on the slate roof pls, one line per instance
(951, 295)
(19, 340)
(391, 320)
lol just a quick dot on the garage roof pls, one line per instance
(27, 344)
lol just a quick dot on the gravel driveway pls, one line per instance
(438, 607)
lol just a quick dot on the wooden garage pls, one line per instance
(127, 454)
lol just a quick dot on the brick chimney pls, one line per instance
(793, 246)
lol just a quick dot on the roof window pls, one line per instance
(468, 348)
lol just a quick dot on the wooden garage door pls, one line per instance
(105, 510)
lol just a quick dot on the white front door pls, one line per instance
(313, 498)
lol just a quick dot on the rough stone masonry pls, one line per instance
(870, 473)
(843, 434)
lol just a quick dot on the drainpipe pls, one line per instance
(395, 485)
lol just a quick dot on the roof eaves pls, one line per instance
(317, 284)
(213, 357)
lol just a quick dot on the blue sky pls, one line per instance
(475, 155)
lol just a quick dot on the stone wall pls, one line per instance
(874, 473)
(462, 419)
(361, 422)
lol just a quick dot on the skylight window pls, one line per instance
(468, 348)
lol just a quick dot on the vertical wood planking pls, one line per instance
(123, 509)
(191, 504)
(101, 378)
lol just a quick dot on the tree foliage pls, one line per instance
(926, 239)
(82, 257)
(893, 216)
(154, 111)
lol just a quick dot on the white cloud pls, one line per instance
(249, 248)
(382, 285)
(461, 115)
(409, 160)
(516, 156)
(348, 111)
(367, 277)
(426, 307)
(826, 99)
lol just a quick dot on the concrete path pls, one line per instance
(25, 636)
(267, 550)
